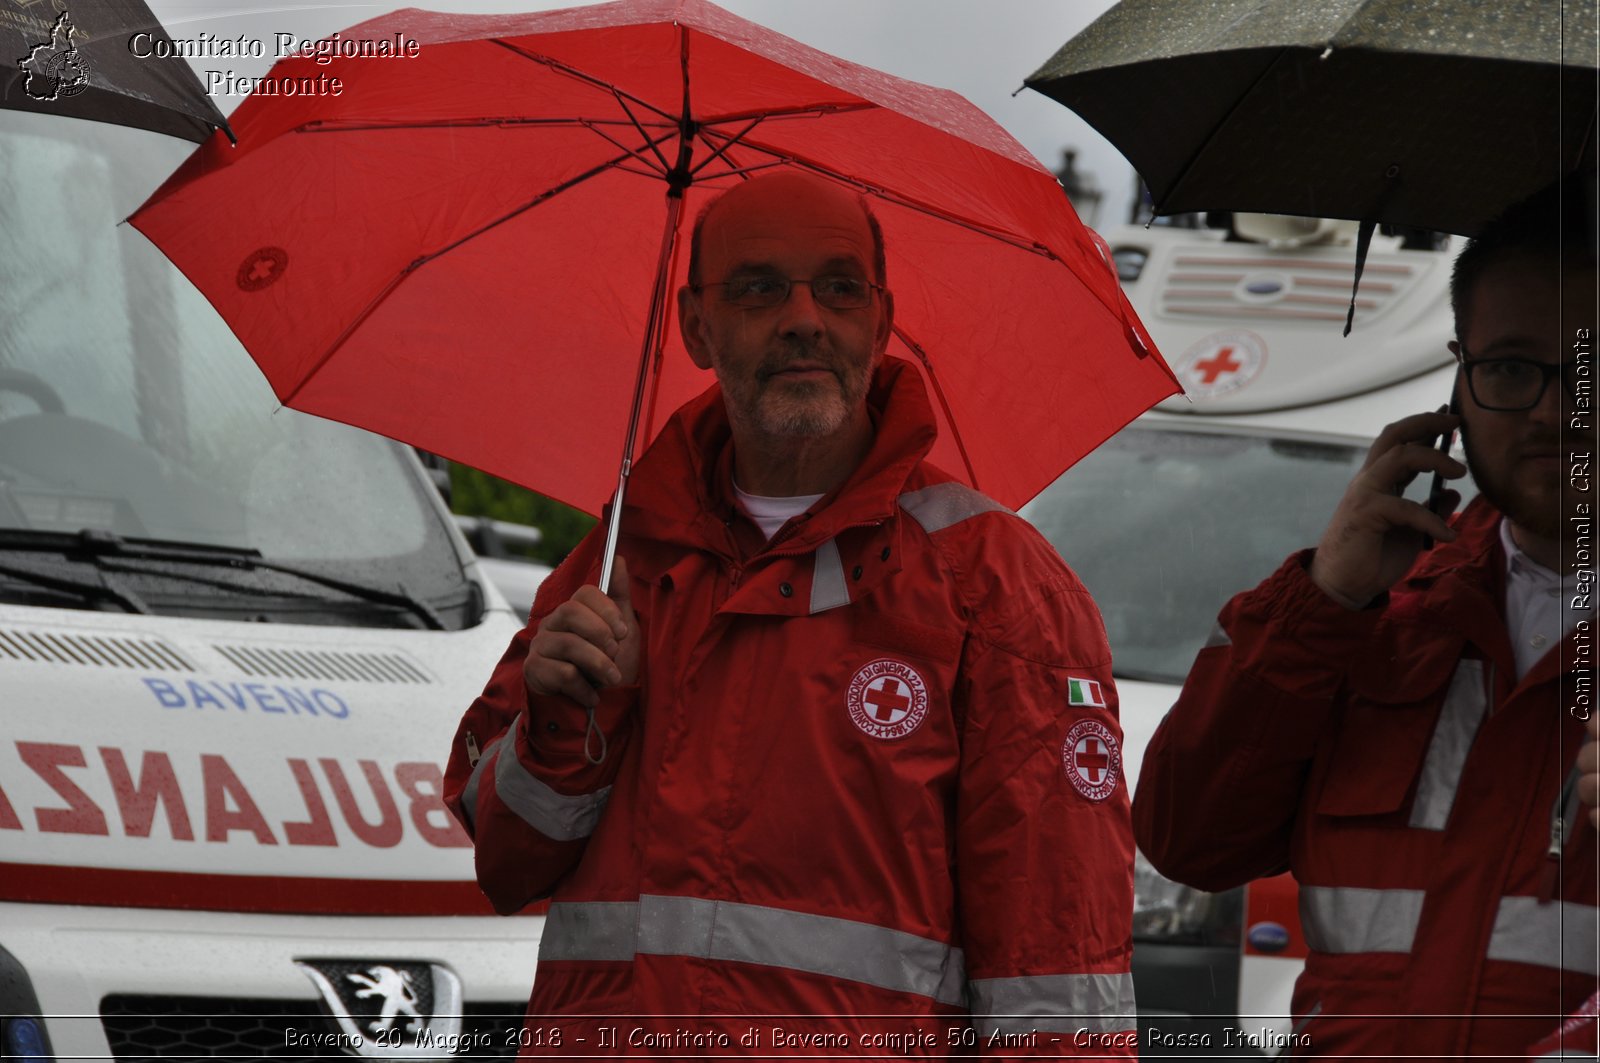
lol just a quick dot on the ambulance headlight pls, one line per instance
(1170, 913)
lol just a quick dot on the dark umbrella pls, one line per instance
(107, 61)
(1428, 113)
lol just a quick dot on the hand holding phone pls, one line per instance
(1376, 532)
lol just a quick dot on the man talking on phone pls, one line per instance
(1392, 723)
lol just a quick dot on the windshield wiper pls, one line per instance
(98, 544)
(106, 587)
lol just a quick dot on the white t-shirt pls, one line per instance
(769, 513)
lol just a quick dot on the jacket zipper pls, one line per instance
(1550, 877)
(473, 756)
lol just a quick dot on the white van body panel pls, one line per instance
(235, 707)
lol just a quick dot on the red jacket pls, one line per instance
(870, 780)
(1390, 759)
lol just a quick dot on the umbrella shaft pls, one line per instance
(648, 354)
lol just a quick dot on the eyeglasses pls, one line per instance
(1512, 384)
(762, 291)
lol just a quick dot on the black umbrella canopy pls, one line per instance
(81, 59)
(1428, 113)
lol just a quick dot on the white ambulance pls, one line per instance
(234, 645)
(1204, 497)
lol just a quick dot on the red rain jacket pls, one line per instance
(1390, 759)
(869, 783)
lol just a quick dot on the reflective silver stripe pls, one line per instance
(828, 588)
(564, 817)
(750, 933)
(1458, 724)
(942, 505)
(1059, 1003)
(1348, 919)
(469, 796)
(600, 931)
(1546, 934)
(1219, 637)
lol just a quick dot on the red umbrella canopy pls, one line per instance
(459, 249)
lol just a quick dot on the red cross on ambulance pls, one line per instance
(1220, 363)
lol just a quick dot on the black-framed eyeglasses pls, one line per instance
(836, 291)
(1509, 385)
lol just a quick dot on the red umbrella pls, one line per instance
(472, 248)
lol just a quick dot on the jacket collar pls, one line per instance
(681, 489)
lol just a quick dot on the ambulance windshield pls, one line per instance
(128, 409)
(1164, 526)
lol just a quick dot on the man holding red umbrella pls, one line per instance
(856, 787)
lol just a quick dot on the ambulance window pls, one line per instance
(1164, 527)
(128, 407)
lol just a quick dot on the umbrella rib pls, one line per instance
(367, 125)
(589, 79)
(420, 261)
(654, 172)
(1194, 156)
(717, 152)
(592, 124)
(899, 200)
(927, 366)
(662, 159)
(813, 110)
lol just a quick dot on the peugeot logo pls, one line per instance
(386, 1009)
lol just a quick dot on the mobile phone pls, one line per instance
(1437, 485)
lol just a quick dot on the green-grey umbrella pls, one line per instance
(1426, 113)
(104, 60)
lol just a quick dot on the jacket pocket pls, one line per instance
(1392, 710)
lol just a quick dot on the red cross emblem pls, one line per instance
(261, 267)
(888, 704)
(887, 699)
(1090, 757)
(1093, 759)
(1220, 363)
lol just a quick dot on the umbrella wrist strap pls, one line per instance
(590, 733)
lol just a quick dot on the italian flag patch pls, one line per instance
(1084, 692)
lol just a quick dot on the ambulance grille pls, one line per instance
(163, 1028)
(100, 651)
(345, 666)
(1212, 285)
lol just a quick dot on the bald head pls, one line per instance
(781, 195)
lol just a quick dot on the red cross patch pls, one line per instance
(887, 699)
(261, 267)
(1093, 759)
